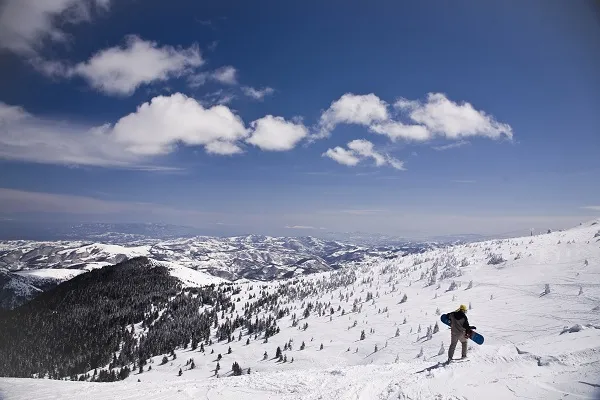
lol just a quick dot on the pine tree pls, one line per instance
(362, 335)
(397, 332)
(164, 360)
(321, 346)
(442, 350)
(180, 372)
(278, 352)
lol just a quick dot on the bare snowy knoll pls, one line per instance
(30, 267)
(366, 331)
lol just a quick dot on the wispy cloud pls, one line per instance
(226, 75)
(362, 212)
(463, 181)
(257, 94)
(594, 208)
(302, 227)
(451, 145)
(20, 201)
(25, 25)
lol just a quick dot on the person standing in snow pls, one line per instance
(460, 331)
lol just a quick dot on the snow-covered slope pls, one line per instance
(542, 342)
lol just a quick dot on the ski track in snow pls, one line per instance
(525, 356)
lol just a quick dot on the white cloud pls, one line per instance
(20, 201)
(276, 134)
(120, 70)
(437, 116)
(359, 150)
(463, 181)
(446, 118)
(257, 94)
(353, 109)
(157, 126)
(454, 145)
(223, 148)
(396, 130)
(154, 129)
(364, 148)
(25, 137)
(26, 24)
(217, 97)
(362, 212)
(227, 75)
(594, 208)
(302, 227)
(342, 156)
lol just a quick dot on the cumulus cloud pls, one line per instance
(154, 129)
(223, 148)
(359, 150)
(257, 94)
(120, 70)
(276, 134)
(342, 156)
(418, 121)
(26, 24)
(396, 130)
(452, 120)
(157, 126)
(353, 109)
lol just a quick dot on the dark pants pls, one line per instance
(453, 341)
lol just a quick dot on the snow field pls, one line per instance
(528, 353)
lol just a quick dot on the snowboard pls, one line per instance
(476, 337)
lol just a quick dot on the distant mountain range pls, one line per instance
(122, 233)
(28, 268)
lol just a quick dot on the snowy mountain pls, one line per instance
(231, 258)
(535, 299)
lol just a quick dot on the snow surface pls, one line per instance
(51, 273)
(190, 277)
(537, 346)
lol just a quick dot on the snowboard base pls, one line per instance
(476, 337)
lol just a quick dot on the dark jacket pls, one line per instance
(459, 315)
(459, 324)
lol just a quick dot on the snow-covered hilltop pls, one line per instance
(535, 299)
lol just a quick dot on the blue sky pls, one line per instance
(297, 118)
